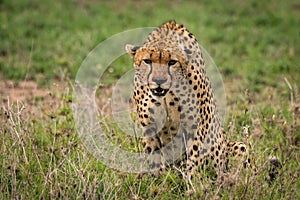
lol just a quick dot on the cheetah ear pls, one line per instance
(131, 49)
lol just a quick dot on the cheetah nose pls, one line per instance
(159, 81)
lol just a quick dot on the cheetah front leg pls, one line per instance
(153, 120)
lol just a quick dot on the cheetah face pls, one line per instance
(157, 69)
(159, 79)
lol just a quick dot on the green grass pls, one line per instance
(255, 44)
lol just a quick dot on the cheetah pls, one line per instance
(175, 103)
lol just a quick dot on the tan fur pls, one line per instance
(184, 105)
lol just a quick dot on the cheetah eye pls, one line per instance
(147, 61)
(172, 62)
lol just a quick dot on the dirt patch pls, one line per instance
(44, 101)
(36, 100)
(22, 91)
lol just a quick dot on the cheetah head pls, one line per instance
(158, 69)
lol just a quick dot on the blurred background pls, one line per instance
(255, 40)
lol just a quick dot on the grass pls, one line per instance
(255, 44)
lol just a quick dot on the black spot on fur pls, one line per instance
(243, 149)
(157, 103)
(195, 147)
(187, 51)
(148, 150)
(151, 110)
(179, 109)
(194, 126)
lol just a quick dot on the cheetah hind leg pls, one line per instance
(237, 152)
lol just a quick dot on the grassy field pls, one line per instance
(255, 44)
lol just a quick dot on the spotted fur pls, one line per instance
(175, 102)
